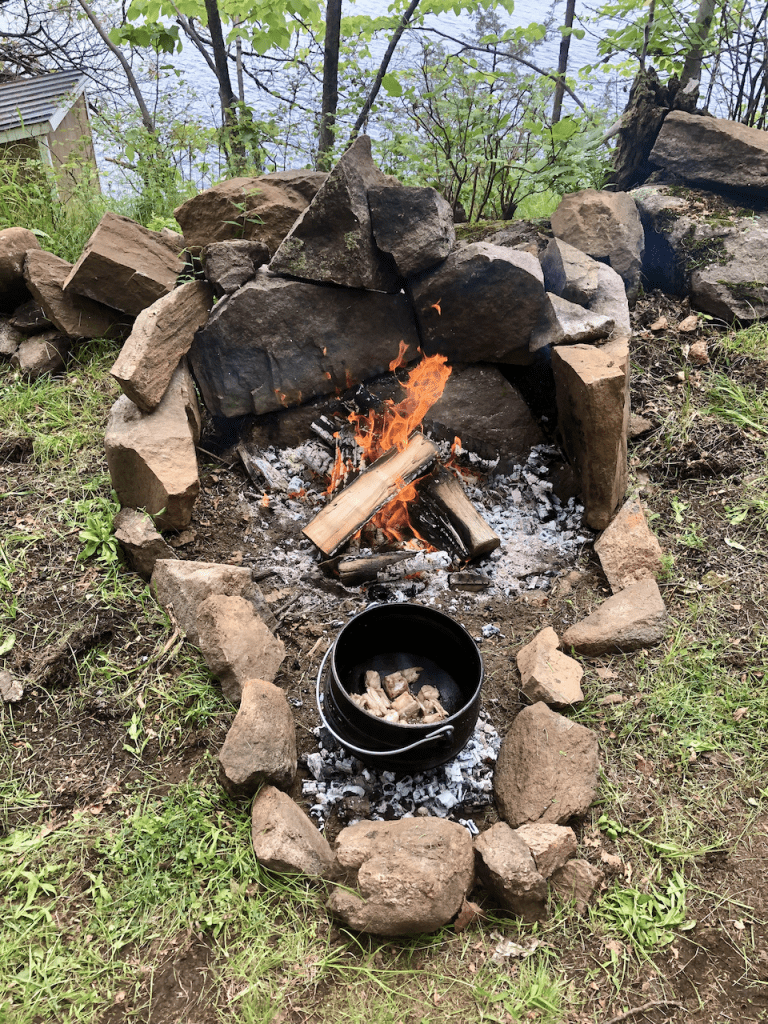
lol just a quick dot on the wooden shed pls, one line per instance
(45, 119)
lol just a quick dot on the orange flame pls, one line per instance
(400, 360)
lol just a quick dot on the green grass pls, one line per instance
(751, 342)
(745, 405)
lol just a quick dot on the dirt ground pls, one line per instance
(71, 751)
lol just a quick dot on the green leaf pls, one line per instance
(7, 643)
(392, 85)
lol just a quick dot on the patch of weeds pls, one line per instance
(742, 404)
(702, 252)
(533, 993)
(97, 535)
(647, 919)
(751, 342)
(750, 510)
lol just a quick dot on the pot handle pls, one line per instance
(444, 732)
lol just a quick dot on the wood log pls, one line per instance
(449, 520)
(367, 567)
(261, 471)
(369, 492)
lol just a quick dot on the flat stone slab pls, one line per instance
(161, 335)
(632, 619)
(276, 343)
(261, 743)
(463, 306)
(285, 839)
(411, 875)
(547, 768)
(74, 315)
(565, 323)
(547, 674)
(124, 266)
(569, 272)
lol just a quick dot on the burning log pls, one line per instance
(449, 520)
(374, 488)
(390, 698)
(365, 568)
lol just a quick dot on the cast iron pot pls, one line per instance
(386, 638)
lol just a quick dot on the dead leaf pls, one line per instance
(689, 324)
(613, 698)
(660, 325)
(740, 713)
(611, 861)
(605, 673)
(469, 913)
(699, 354)
(120, 996)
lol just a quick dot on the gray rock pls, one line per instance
(708, 247)
(277, 343)
(11, 688)
(564, 323)
(592, 390)
(610, 300)
(228, 265)
(140, 541)
(14, 245)
(181, 587)
(151, 457)
(507, 869)
(162, 334)
(411, 875)
(547, 768)
(633, 618)
(41, 354)
(261, 743)
(255, 209)
(713, 152)
(413, 226)
(569, 272)
(480, 305)
(284, 839)
(10, 338)
(29, 318)
(606, 226)
(332, 241)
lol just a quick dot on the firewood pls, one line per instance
(261, 471)
(367, 567)
(369, 492)
(450, 520)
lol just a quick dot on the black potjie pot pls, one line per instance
(388, 638)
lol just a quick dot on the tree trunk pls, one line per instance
(562, 63)
(688, 94)
(330, 84)
(237, 152)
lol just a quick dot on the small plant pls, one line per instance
(136, 735)
(646, 919)
(97, 536)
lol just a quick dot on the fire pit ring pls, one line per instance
(388, 638)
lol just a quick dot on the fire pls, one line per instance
(379, 432)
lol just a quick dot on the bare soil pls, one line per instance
(69, 731)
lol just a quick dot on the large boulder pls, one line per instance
(480, 305)
(162, 334)
(332, 241)
(592, 389)
(236, 644)
(705, 246)
(547, 768)
(285, 840)
(507, 869)
(411, 875)
(277, 343)
(713, 153)
(259, 209)
(632, 619)
(72, 314)
(413, 226)
(124, 266)
(182, 587)
(261, 743)
(151, 457)
(15, 243)
(606, 226)
(569, 272)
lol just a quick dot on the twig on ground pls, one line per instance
(641, 1009)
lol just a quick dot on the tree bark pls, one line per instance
(330, 84)
(225, 84)
(688, 93)
(562, 63)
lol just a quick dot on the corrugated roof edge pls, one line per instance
(35, 106)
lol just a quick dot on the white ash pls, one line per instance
(453, 790)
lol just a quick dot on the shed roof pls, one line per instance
(36, 106)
